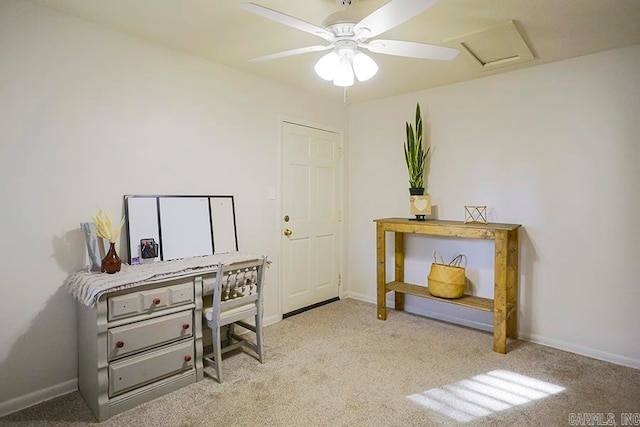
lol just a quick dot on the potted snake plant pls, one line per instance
(415, 155)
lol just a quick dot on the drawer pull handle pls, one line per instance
(120, 344)
(156, 301)
(185, 326)
(187, 358)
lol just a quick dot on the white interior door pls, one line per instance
(310, 216)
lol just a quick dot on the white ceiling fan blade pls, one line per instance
(411, 49)
(291, 52)
(390, 15)
(288, 20)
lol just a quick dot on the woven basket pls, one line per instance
(447, 280)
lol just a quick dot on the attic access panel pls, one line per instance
(181, 226)
(498, 46)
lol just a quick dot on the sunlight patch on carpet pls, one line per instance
(484, 394)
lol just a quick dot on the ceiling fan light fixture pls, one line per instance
(346, 32)
(344, 73)
(364, 66)
(327, 65)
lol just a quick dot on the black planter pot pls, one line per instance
(416, 191)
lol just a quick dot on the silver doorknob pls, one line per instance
(287, 232)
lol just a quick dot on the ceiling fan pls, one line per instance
(347, 35)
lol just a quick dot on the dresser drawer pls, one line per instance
(148, 367)
(149, 300)
(139, 336)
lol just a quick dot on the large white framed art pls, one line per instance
(183, 226)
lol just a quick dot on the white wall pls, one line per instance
(84, 112)
(555, 148)
(88, 115)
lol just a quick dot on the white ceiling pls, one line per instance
(220, 31)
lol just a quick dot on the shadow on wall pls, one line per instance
(54, 365)
(528, 257)
(69, 251)
(42, 362)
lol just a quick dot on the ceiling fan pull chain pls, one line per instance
(344, 96)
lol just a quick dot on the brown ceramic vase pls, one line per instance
(111, 263)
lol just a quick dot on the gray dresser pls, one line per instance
(142, 341)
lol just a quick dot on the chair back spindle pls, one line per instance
(237, 295)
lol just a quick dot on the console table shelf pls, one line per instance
(505, 302)
(470, 301)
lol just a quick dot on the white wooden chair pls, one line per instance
(237, 295)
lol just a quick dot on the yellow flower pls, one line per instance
(102, 220)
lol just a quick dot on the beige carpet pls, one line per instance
(338, 365)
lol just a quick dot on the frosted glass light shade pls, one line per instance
(364, 66)
(340, 66)
(344, 73)
(327, 65)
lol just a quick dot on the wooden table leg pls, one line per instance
(512, 283)
(399, 276)
(500, 294)
(381, 272)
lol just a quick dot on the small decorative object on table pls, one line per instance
(93, 249)
(111, 263)
(420, 206)
(477, 214)
(148, 248)
(447, 280)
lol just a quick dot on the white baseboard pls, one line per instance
(560, 345)
(409, 308)
(360, 297)
(584, 351)
(23, 402)
(266, 321)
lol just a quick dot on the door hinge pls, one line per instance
(339, 279)
(339, 216)
(339, 152)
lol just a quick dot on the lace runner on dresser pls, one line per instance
(87, 286)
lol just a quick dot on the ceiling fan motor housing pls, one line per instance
(346, 47)
(342, 29)
(341, 23)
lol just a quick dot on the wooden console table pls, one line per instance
(505, 303)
